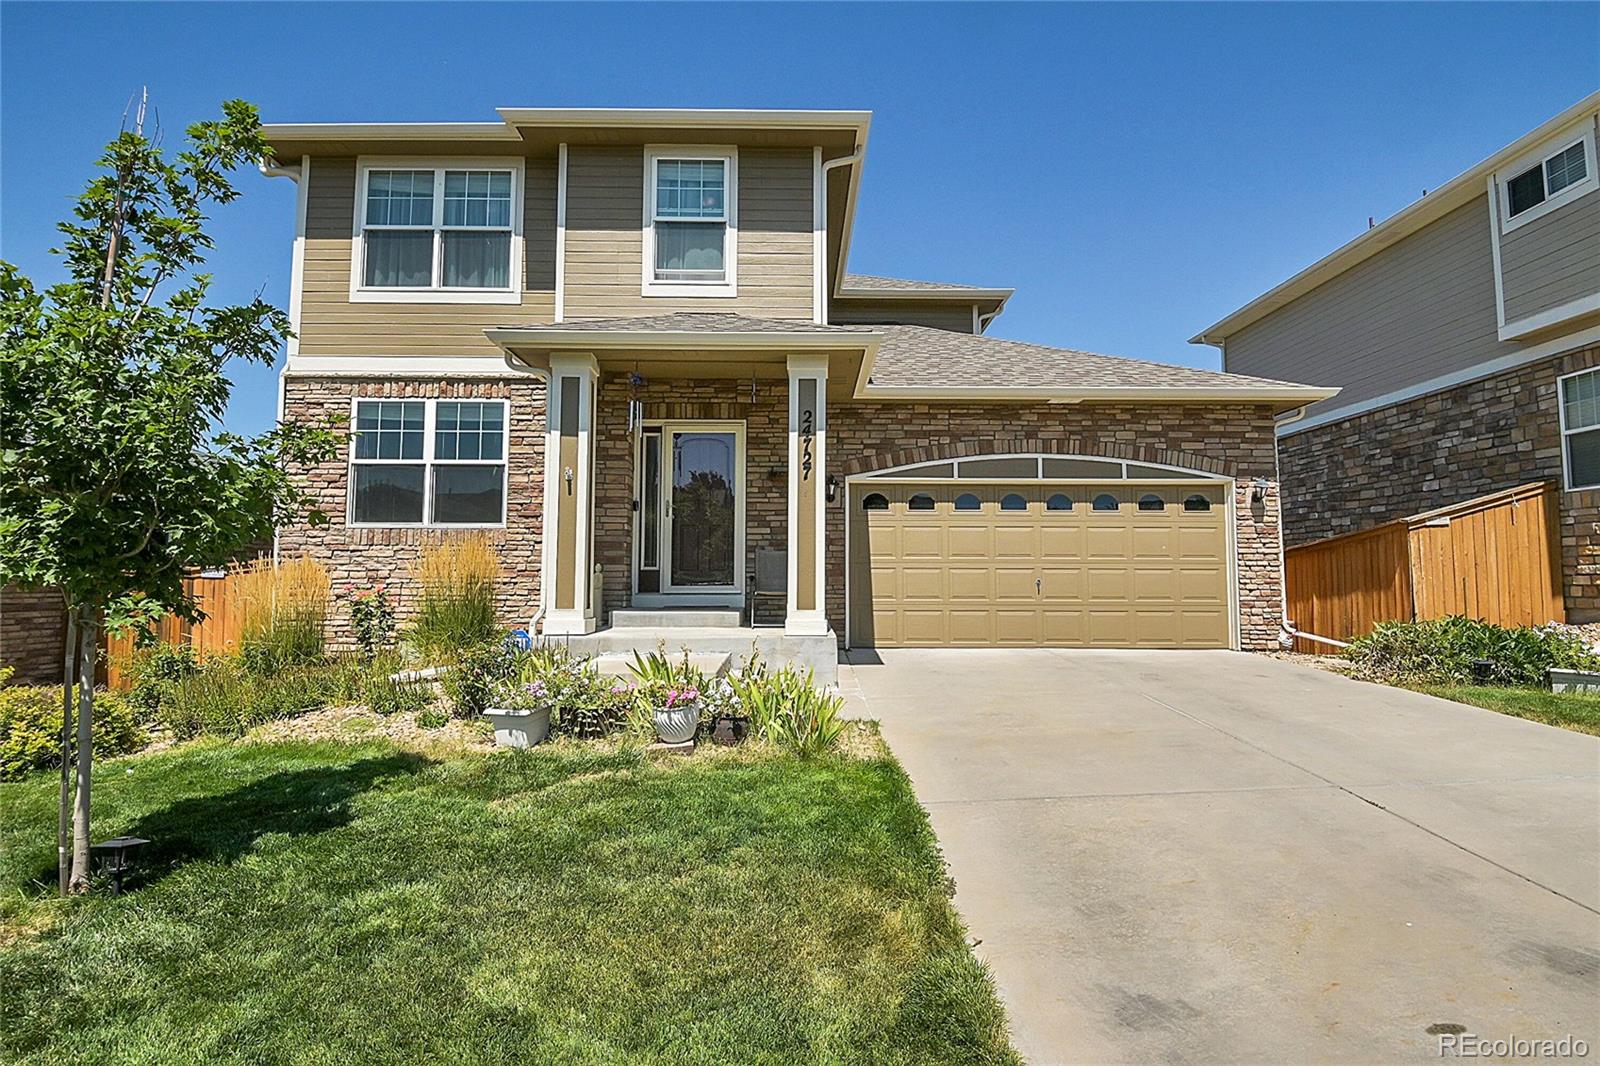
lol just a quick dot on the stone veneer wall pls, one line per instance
(366, 557)
(1440, 449)
(33, 634)
(1233, 440)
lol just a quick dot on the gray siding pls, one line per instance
(330, 324)
(956, 317)
(1417, 310)
(605, 245)
(1552, 260)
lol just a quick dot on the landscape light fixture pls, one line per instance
(115, 857)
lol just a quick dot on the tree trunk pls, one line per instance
(64, 809)
(80, 807)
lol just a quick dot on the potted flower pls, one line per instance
(520, 713)
(730, 723)
(677, 716)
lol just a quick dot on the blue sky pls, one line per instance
(1135, 171)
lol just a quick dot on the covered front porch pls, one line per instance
(687, 482)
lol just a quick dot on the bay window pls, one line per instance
(438, 233)
(428, 463)
(691, 225)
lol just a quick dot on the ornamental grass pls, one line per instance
(455, 598)
(283, 611)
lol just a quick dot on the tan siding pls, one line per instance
(1422, 308)
(605, 246)
(1552, 260)
(956, 317)
(331, 325)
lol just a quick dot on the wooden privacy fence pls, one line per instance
(1496, 558)
(218, 633)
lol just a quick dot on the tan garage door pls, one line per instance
(961, 564)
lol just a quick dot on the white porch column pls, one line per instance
(569, 494)
(808, 422)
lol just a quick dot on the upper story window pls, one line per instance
(1580, 428)
(691, 222)
(1543, 181)
(438, 234)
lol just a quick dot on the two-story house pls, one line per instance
(1464, 333)
(624, 343)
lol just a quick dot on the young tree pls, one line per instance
(114, 476)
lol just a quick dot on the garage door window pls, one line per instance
(1013, 502)
(875, 501)
(968, 502)
(920, 502)
(1059, 502)
(1197, 503)
(1105, 502)
(1152, 502)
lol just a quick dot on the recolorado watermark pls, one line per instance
(1473, 1046)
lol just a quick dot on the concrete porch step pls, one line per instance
(616, 663)
(675, 617)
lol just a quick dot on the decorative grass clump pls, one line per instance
(283, 612)
(455, 598)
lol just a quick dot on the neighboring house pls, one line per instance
(1464, 333)
(624, 343)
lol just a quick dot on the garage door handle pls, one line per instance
(1038, 586)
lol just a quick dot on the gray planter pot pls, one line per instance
(1574, 681)
(678, 724)
(518, 729)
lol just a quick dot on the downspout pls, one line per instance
(1285, 623)
(842, 161)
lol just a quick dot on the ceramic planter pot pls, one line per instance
(674, 725)
(728, 729)
(518, 728)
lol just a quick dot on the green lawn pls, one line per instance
(325, 902)
(1569, 710)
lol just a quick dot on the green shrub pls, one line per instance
(1441, 651)
(432, 718)
(30, 726)
(155, 670)
(472, 677)
(810, 722)
(372, 619)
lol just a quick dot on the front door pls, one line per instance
(692, 507)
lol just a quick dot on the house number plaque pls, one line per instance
(808, 419)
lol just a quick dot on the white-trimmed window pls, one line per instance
(1545, 180)
(1580, 428)
(438, 233)
(691, 223)
(428, 463)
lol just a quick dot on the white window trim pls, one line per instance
(729, 285)
(1551, 147)
(1561, 411)
(434, 294)
(428, 462)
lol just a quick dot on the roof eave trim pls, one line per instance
(512, 336)
(1295, 395)
(684, 118)
(1461, 189)
(388, 131)
(927, 294)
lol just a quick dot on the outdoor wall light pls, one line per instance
(1258, 491)
(115, 857)
(832, 487)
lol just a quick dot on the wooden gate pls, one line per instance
(1496, 557)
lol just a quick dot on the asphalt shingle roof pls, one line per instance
(874, 283)
(924, 356)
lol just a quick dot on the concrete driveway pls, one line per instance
(1219, 857)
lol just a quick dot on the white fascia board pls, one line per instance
(389, 131)
(578, 338)
(927, 294)
(683, 118)
(386, 366)
(1461, 189)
